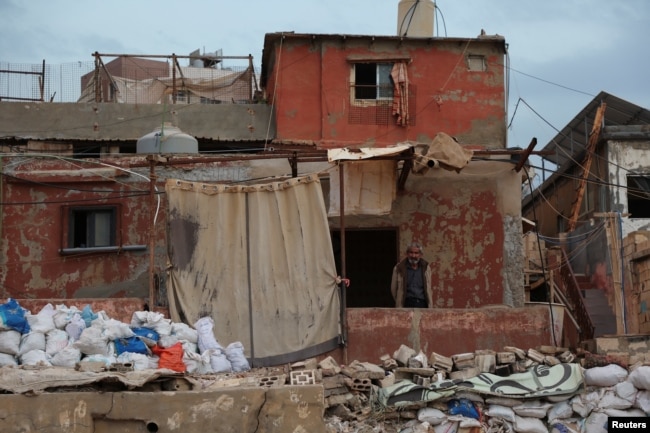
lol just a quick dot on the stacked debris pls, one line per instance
(64, 336)
(537, 390)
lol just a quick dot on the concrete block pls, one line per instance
(485, 363)
(387, 381)
(403, 354)
(302, 377)
(466, 373)
(272, 381)
(519, 353)
(506, 358)
(535, 355)
(329, 366)
(463, 360)
(439, 361)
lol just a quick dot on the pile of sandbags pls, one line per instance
(64, 336)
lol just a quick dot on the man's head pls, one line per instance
(414, 253)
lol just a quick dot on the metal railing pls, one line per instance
(137, 79)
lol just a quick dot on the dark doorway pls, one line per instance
(370, 256)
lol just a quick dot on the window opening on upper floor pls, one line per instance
(638, 196)
(372, 81)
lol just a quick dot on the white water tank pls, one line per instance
(167, 139)
(415, 18)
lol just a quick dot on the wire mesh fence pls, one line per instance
(133, 80)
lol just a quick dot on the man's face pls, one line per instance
(413, 255)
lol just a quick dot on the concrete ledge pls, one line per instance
(240, 410)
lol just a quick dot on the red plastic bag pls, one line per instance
(170, 357)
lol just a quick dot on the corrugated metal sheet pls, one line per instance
(569, 144)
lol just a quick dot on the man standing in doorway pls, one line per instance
(411, 282)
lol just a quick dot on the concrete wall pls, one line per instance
(118, 122)
(469, 225)
(229, 410)
(374, 332)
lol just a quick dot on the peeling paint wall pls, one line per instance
(311, 83)
(35, 224)
(469, 224)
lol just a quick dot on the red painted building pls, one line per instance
(321, 92)
(352, 91)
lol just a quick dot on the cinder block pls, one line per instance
(303, 377)
(271, 381)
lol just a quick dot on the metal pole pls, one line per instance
(152, 239)
(344, 321)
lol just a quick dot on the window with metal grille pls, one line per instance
(372, 81)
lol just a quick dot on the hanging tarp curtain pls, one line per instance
(217, 85)
(258, 259)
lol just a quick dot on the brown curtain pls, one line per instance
(258, 259)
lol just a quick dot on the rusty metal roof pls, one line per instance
(571, 141)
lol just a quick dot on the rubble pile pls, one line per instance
(448, 399)
(540, 389)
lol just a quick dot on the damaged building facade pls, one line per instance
(406, 137)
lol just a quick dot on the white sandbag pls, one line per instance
(642, 401)
(608, 375)
(610, 400)
(235, 354)
(559, 398)
(583, 404)
(67, 357)
(43, 321)
(7, 360)
(569, 425)
(75, 326)
(431, 415)
(190, 347)
(115, 330)
(499, 425)
(140, 361)
(626, 390)
(446, 427)
(624, 413)
(183, 331)
(152, 320)
(10, 342)
(35, 358)
(640, 377)
(198, 363)
(167, 341)
(63, 314)
(107, 360)
(501, 412)
(56, 340)
(92, 341)
(471, 396)
(219, 361)
(529, 425)
(561, 410)
(596, 422)
(464, 421)
(206, 339)
(503, 401)
(153, 362)
(32, 341)
(532, 408)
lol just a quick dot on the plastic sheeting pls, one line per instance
(257, 259)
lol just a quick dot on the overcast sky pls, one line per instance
(561, 52)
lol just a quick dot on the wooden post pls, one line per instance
(614, 244)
